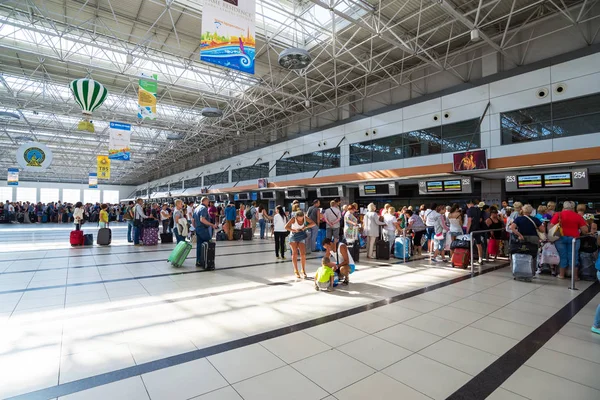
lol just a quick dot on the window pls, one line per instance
(162, 188)
(27, 194)
(250, 172)
(6, 193)
(176, 185)
(450, 138)
(315, 161)
(565, 118)
(91, 196)
(192, 183)
(48, 195)
(110, 196)
(215, 179)
(71, 196)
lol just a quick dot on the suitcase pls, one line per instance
(246, 233)
(166, 238)
(44, 218)
(524, 248)
(382, 249)
(587, 267)
(150, 223)
(221, 236)
(493, 247)
(461, 258)
(402, 248)
(521, 267)
(76, 238)
(237, 234)
(320, 237)
(88, 240)
(180, 253)
(354, 249)
(150, 236)
(104, 237)
(208, 254)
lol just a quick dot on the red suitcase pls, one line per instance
(461, 258)
(76, 238)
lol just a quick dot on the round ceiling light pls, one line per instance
(211, 112)
(294, 58)
(151, 152)
(7, 115)
(138, 161)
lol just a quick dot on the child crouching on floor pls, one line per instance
(325, 275)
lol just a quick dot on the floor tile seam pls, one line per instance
(568, 354)
(136, 278)
(450, 366)
(113, 264)
(190, 356)
(222, 376)
(405, 383)
(561, 376)
(315, 383)
(447, 319)
(20, 298)
(362, 362)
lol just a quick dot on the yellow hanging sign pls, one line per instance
(103, 167)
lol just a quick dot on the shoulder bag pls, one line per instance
(556, 231)
(541, 235)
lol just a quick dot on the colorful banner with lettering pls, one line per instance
(103, 167)
(148, 86)
(93, 181)
(118, 141)
(228, 34)
(13, 177)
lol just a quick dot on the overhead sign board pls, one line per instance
(575, 179)
(378, 189)
(461, 185)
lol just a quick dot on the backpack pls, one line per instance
(249, 213)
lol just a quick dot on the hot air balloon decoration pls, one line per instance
(90, 95)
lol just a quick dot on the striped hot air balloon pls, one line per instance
(90, 95)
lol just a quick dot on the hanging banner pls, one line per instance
(118, 141)
(34, 156)
(13, 177)
(103, 167)
(228, 34)
(148, 86)
(93, 181)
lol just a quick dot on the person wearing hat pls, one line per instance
(314, 214)
(230, 219)
(592, 226)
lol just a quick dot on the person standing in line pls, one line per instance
(78, 215)
(372, 228)
(333, 216)
(138, 220)
(189, 212)
(314, 214)
(254, 219)
(474, 224)
(391, 225)
(571, 225)
(128, 217)
(279, 222)
(202, 227)
(350, 224)
(177, 216)
(230, 219)
(429, 217)
(103, 216)
(263, 217)
(212, 216)
(165, 218)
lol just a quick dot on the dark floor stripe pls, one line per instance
(117, 264)
(487, 381)
(134, 278)
(118, 375)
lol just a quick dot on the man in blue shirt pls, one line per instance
(201, 223)
(230, 218)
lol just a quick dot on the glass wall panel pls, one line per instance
(110, 196)
(192, 183)
(216, 179)
(71, 196)
(49, 195)
(27, 194)
(91, 196)
(250, 172)
(6, 193)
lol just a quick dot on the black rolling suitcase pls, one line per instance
(354, 249)
(166, 238)
(104, 236)
(208, 255)
(237, 234)
(246, 233)
(382, 249)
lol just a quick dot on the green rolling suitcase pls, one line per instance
(180, 253)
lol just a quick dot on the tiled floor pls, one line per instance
(67, 314)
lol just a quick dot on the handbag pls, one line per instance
(556, 231)
(541, 235)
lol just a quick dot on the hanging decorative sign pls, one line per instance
(103, 167)
(13, 177)
(228, 38)
(90, 95)
(93, 180)
(118, 141)
(148, 86)
(34, 156)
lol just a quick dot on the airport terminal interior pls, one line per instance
(300, 199)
